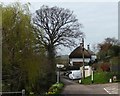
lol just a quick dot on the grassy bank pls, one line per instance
(99, 78)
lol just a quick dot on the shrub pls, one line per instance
(105, 67)
(55, 88)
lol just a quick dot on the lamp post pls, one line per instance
(83, 58)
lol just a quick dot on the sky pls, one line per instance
(99, 19)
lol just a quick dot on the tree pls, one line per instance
(114, 51)
(22, 65)
(54, 27)
(16, 44)
(109, 47)
(109, 53)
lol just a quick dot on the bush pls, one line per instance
(105, 67)
(55, 88)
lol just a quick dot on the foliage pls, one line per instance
(105, 66)
(23, 66)
(114, 60)
(103, 52)
(17, 44)
(55, 88)
(109, 48)
(109, 52)
(114, 51)
(115, 65)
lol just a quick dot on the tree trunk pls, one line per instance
(52, 64)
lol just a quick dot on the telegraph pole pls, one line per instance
(83, 58)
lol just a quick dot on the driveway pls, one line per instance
(72, 87)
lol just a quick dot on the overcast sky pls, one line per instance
(100, 19)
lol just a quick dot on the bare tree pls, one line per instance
(56, 26)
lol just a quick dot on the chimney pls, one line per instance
(88, 47)
(81, 45)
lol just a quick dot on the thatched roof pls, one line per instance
(77, 53)
(91, 52)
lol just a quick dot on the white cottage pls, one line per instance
(76, 58)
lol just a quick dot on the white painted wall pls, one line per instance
(78, 60)
(87, 72)
(93, 57)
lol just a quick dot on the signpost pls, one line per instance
(23, 92)
(58, 76)
(58, 72)
(92, 76)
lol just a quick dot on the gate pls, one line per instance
(21, 93)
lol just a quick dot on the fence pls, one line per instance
(10, 93)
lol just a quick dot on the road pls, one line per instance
(72, 87)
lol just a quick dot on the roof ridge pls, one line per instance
(77, 53)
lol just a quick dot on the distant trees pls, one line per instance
(114, 50)
(109, 48)
(109, 54)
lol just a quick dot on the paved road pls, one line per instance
(72, 87)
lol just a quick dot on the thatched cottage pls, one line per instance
(76, 58)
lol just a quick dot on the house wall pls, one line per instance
(88, 71)
(93, 57)
(78, 60)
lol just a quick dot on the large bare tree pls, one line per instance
(56, 26)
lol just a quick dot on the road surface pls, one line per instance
(72, 87)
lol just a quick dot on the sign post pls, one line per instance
(23, 92)
(58, 77)
(92, 76)
(58, 72)
(83, 58)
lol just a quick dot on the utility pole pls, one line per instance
(83, 58)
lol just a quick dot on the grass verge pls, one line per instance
(99, 78)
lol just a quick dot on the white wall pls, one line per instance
(78, 60)
(88, 72)
(93, 57)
